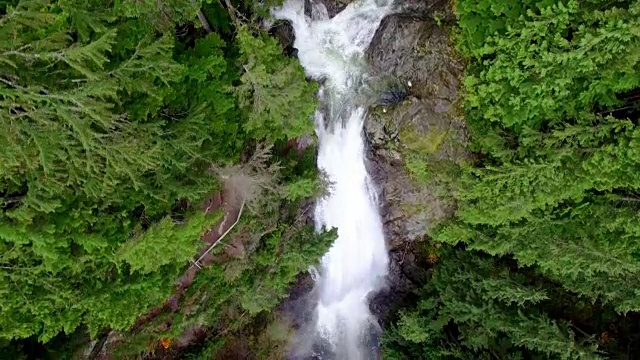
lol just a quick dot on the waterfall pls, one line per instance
(332, 52)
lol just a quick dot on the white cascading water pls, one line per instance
(332, 52)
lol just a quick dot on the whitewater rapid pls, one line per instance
(332, 52)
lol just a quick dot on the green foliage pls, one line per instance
(551, 106)
(302, 188)
(474, 307)
(273, 91)
(556, 187)
(111, 115)
(230, 298)
(164, 243)
(540, 62)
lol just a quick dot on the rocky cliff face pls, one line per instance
(413, 140)
(414, 49)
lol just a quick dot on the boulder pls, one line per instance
(283, 32)
(416, 49)
(425, 8)
(333, 7)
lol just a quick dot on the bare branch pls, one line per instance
(247, 182)
(10, 83)
(236, 16)
(204, 21)
(197, 262)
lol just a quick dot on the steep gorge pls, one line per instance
(410, 51)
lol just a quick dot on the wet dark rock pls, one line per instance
(404, 277)
(283, 31)
(333, 6)
(393, 96)
(425, 8)
(298, 306)
(416, 49)
(291, 52)
(308, 5)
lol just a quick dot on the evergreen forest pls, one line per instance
(541, 259)
(129, 129)
(154, 190)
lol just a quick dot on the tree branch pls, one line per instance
(234, 13)
(629, 199)
(10, 83)
(221, 236)
(204, 21)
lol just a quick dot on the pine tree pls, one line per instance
(539, 62)
(547, 212)
(269, 82)
(475, 307)
(556, 186)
